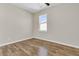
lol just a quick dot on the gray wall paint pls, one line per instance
(15, 24)
(63, 20)
(63, 24)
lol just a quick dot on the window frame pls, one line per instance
(43, 23)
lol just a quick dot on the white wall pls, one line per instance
(15, 24)
(63, 24)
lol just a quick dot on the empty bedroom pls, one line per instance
(39, 29)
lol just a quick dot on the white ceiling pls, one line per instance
(33, 7)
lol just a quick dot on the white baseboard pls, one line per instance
(41, 39)
(59, 42)
(4, 44)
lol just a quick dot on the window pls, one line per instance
(43, 22)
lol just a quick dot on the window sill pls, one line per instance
(43, 31)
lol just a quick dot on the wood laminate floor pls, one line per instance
(30, 48)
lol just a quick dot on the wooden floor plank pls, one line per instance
(30, 48)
